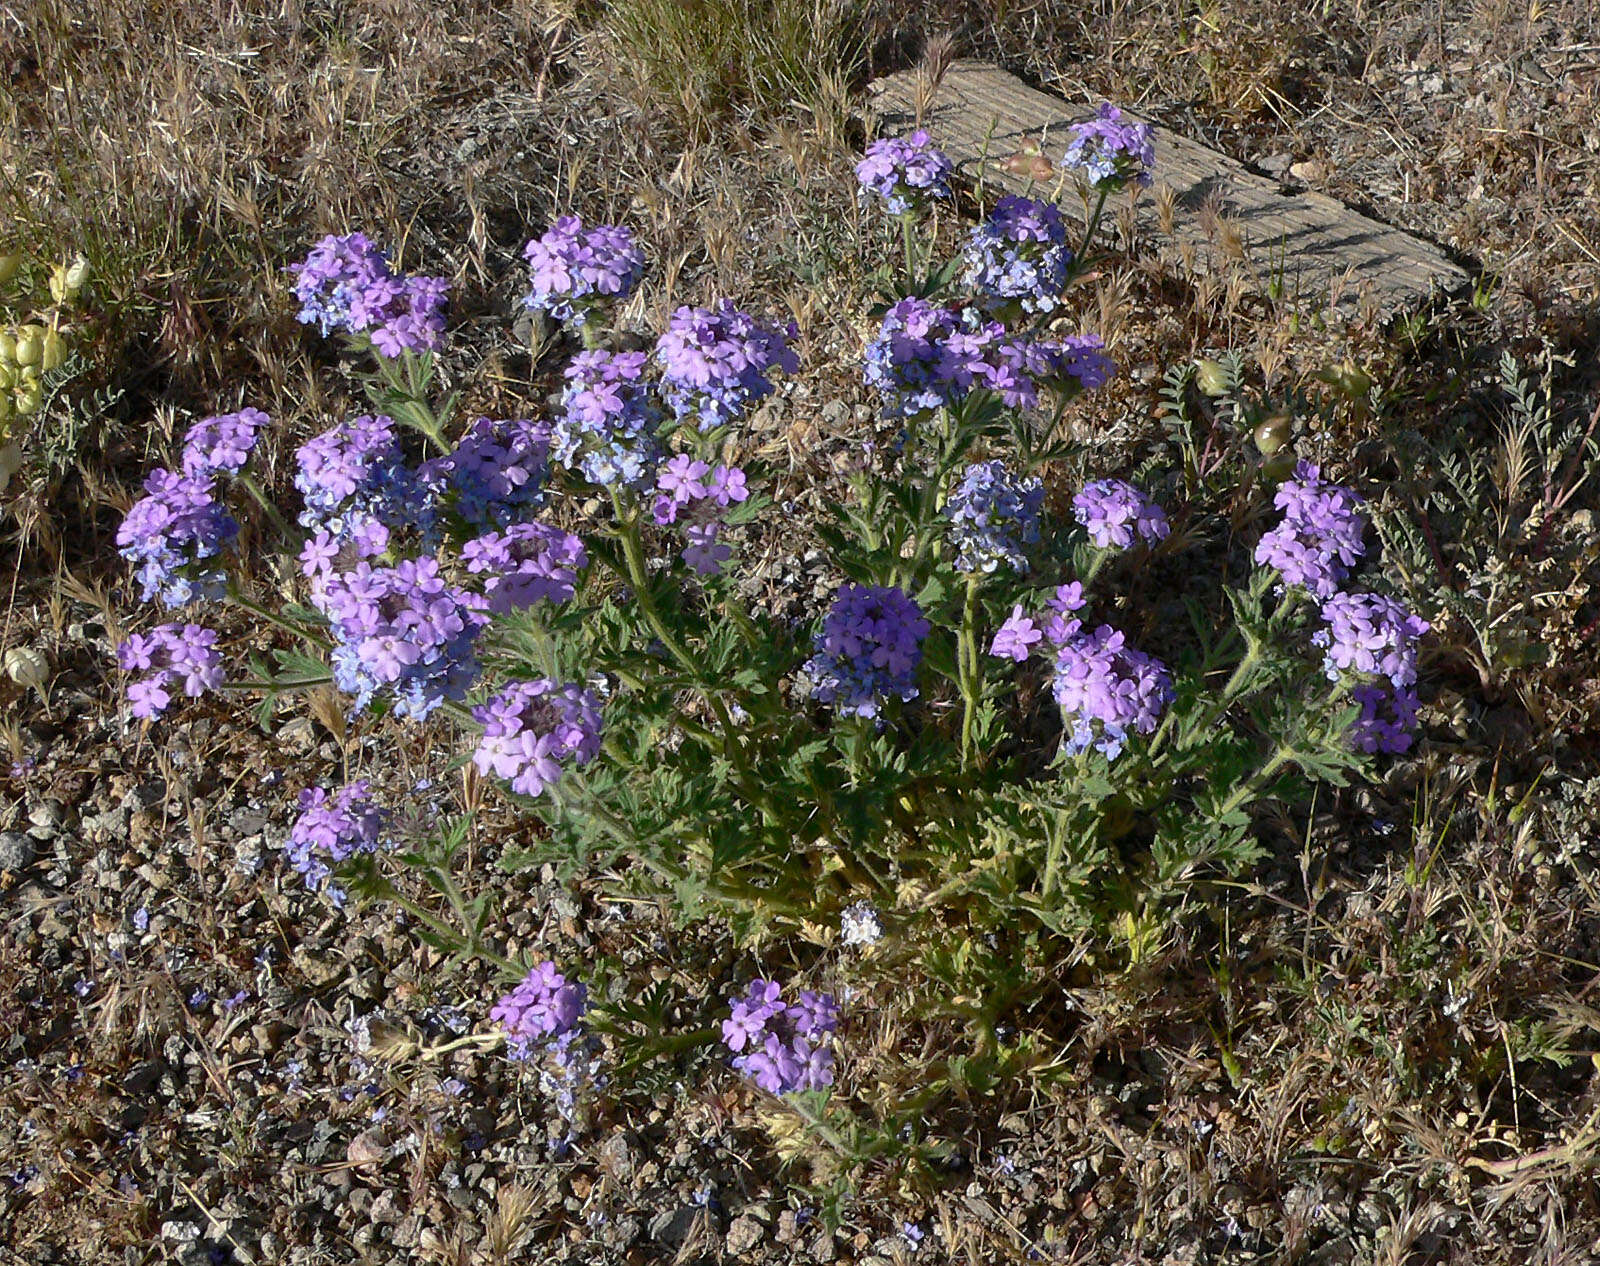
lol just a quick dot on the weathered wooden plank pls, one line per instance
(980, 115)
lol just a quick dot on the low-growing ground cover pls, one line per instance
(1336, 1024)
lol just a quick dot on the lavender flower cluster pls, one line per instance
(1372, 638)
(695, 493)
(905, 171)
(169, 655)
(1019, 255)
(575, 272)
(532, 727)
(357, 490)
(222, 445)
(717, 362)
(346, 283)
(170, 534)
(1319, 539)
(1114, 513)
(401, 630)
(542, 1020)
(994, 516)
(496, 471)
(1111, 151)
(525, 564)
(868, 650)
(607, 428)
(331, 829)
(782, 1046)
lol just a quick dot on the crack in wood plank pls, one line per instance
(981, 115)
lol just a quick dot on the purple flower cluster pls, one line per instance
(783, 1047)
(1019, 255)
(540, 1010)
(868, 649)
(531, 727)
(575, 271)
(525, 563)
(1107, 690)
(694, 491)
(170, 532)
(717, 362)
(1319, 539)
(332, 828)
(927, 356)
(993, 516)
(403, 630)
(607, 427)
(1374, 636)
(345, 283)
(169, 655)
(1111, 151)
(221, 445)
(1077, 362)
(905, 171)
(357, 489)
(1115, 513)
(496, 470)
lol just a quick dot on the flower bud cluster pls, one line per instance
(905, 171)
(1019, 255)
(170, 535)
(607, 427)
(532, 727)
(1319, 539)
(496, 471)
(1115, 513)
(1110, 151)
(542, 1020)
(357, 490)
(783, 1047)
(693, 492)
(332, 828)
(575, 273)
(993, 516)
(346, 283)
(1373, 639)
(717, 362)
(524, 564)
(170, 655)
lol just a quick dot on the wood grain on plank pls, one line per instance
(1312, 244)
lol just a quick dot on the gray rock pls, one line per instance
(744, 1235)
(16, 851)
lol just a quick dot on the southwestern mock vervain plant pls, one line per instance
(970, 716)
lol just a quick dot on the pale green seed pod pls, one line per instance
(27, 667)
(28, 398)
(9, 377)
(77, 276)
(8, 267)
(1211, 377)
(8, 348)
(53, 351)
(1273, 433)
(5, 408)
(30, 345)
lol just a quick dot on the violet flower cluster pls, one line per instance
(357, 490)
(868, 650)
(532, 728)
(524, 564)
(544, 1007)
(221, 445)
(717, 362)
(331, 829)
(401, 630)
(607, 428)
(905, 171)
(994, 516)
(574, 272)
(1115, 513)
(1319, 539)
(171, 532)
(170, 656)
(1019, 255)
(783, 1047)
(1373, 638)
(927, 357)
(346, 283)
(495, 473)
(694, 493)
(1111, 151)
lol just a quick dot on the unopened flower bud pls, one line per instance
(1273, 433)
(8, 267)
(1211, 376)
(30, 345)
(53, 352)
(27, 667)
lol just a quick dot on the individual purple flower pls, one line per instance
(905, 171)
(717, 362)
(782, 1047)
(683, 479)
(331, 829)
(495, 473)
(1111, 151)
(524, 564)
(1019, 255)
(607, 427)
(1320, 537)
(868, 650)
(1108, 691)
(1115, 513)
(542, 1009)
(1072, 364)
(354, 476)
(727, 486)
(574, 272)
(346, 283)
(993, 516)
(531, 728)
(170, 533)
(401, 630)
(1370, 633)
(1017, 637)
(171, 657)
(704, 553)
(221, 445)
